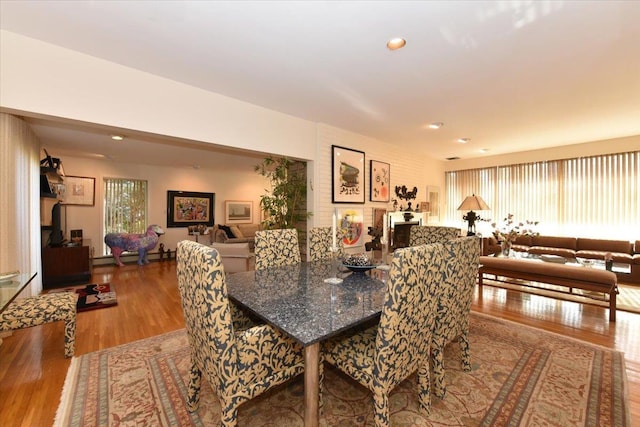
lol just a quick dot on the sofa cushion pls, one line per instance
(555, 242)
(602, 245)
(236, 231)
(615, 256)
(523, 241)
(548, 250)
(637, 247)
(227, 231)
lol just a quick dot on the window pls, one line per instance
(125, 206)
(595, 197)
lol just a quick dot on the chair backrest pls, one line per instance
(203, 291)
(320, 241)
(275, 248)
(406, 322)
(426, 234)
(456, 292)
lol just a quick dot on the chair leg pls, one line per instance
(229, 415)
(193, 393)
(381, 408)
(466, 354)
(70, 336)
(424, 392)
(321, 383)
(440, 388)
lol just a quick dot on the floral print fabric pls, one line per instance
(276, 248)
(238, 365)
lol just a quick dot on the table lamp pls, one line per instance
(472, 203)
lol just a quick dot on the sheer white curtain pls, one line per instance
(595, 197)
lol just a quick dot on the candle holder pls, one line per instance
(334, 267)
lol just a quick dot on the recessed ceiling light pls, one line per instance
(117, 137)
(484, 150)
(463, 140)
(436, 125)
(396, 43)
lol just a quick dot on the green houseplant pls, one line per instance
(284, 204)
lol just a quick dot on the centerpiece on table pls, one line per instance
(509, 230)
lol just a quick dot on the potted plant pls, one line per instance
(284, 204)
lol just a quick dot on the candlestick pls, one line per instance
(333, 231)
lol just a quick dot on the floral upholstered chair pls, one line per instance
(454, 305)
(383, 356)
(276, 248)
(425, 234)
(41, 309)
(320, 241)
(238, 365)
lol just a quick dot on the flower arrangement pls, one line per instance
(510, 230)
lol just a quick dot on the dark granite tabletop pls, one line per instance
(296, 299)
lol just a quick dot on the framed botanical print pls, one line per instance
(347, 173)
(79, 190)
(185, 208)
(379, 181)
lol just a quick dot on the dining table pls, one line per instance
(297, 300)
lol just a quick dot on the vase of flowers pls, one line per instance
(509, 230)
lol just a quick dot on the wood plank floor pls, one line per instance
(33, 367)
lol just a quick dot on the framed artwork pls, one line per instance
(185, 208)
(347, 175)
(79, 190)
(379, 181)
(350, 224)
(433, 199)
(238, 212)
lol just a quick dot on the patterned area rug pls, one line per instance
(92, 297)
(520, 376)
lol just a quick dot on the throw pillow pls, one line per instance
(236, 231)
(227, 231)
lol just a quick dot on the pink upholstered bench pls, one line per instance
(588, 279)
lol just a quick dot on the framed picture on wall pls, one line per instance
(238, 212)
(79, 190)
(347, 175)
(185, 208)
(350, 223)
(379, 181)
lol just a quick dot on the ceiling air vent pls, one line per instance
(453, 158)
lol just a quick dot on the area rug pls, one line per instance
(520, 376)
(92, 297)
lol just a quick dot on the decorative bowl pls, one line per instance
(358, 263)
(360, 268)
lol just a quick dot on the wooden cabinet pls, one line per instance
(66, 265)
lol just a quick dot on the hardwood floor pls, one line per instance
(33, 367)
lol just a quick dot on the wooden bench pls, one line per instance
(569, 276)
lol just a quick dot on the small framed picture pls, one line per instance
(347, 173)
(238, 212)
(350, 222)
(379, 181)
(79, 190)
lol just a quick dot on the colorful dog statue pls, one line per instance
(142, 243)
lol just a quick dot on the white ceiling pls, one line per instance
(509, 75)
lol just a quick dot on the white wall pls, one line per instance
(609, 146)
(406, 169)
(238, 185)
(42, 78)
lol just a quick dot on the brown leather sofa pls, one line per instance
(622, 251)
